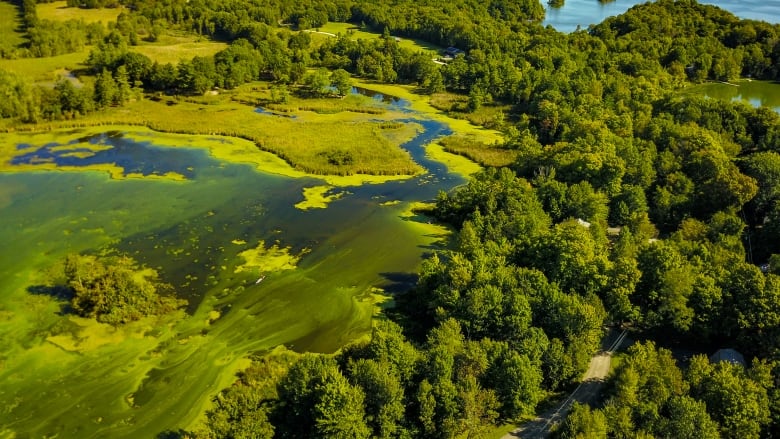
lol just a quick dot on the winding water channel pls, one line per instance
(67, 377)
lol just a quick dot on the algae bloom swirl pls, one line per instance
(209, 216)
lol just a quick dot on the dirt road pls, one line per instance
(588, 392)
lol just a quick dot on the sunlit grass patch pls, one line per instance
(173, 53)
(45, 69)
(474, 149)
(355, 32)
(11, 36)
(343, 144)
(59, 11)
(457, 106)
(422, 104)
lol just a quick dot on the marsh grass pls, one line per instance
(261, 96)
(473, 149)
(489, 115)
(455, 163)
(59, 11)
(11, 35)
(333, 144)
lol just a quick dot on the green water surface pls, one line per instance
(755, 93)
(71, 378)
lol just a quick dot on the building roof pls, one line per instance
(729, 355)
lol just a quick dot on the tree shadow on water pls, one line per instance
(174, 434)
(60, 293)
(399, 282)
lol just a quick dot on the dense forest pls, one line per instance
(629, 202)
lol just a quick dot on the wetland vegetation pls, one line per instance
(212, 223)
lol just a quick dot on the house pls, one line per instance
(729, 355)
(452, 52)
(583, 223)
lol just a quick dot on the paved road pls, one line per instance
(588, 392)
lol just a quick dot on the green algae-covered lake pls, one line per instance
(755, 93)
(211, 227)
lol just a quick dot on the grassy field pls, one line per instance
(174, 49)
(59, 11)
(10, 27)
(356, 33)
(45, 69)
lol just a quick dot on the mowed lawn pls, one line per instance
(357, 33)
(59, 11)
(10, 26)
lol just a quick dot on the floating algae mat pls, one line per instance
(197, 210)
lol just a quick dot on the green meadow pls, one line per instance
(59, 11)
(172, 48)
(11, 36)
(45, 69)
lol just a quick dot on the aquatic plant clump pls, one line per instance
(115, 290)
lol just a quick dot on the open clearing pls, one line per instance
(45, 69)
(59, 11)
(173, 53)
(10, 27)
(355, 33)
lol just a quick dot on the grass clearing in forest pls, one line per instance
(59, 11)
(45, 69)
(11, 35)
(182, 50)
(355, 33)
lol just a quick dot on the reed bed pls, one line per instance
(333, 144)
(482, 153)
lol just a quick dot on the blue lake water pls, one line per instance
(584, 13)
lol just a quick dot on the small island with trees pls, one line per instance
(113, 290)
